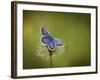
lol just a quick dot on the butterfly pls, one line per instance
(48, 40)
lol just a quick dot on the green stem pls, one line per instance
(50, 53)
(51, 64)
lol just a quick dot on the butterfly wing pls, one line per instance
(44, 32)
(45, 40)
(57, 42)
(51, 45)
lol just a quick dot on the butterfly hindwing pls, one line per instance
(57, 42)
(45, 40)
(51, 45)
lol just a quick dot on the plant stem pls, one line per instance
(50, 54)
(51, 64)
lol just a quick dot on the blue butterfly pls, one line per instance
(48, 40)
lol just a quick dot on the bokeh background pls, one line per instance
(73, 29)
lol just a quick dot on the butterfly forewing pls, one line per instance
(45, 32)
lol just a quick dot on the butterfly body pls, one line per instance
(49, 41)
(50, 38)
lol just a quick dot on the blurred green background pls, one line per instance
(73, 29)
